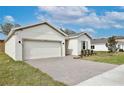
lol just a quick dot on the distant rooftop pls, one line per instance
(119, 37)
(76, 34)
(1, 40)
(104, 40)
(98, 41)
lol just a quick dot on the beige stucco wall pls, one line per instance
(120, 43)
(100, 47)
(121, 40)
(74, 44)
(10, 47)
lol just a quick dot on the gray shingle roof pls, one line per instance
(99, 41)
(119, 37)
(1, 40)
(104, 40)
(79, 34)
(72, 34)
(76, 34)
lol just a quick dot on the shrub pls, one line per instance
(121, 50)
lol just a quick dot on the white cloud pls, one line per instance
(63, 14)
(109, 20)
(114, 15)
(88, 30)
(118, 26)
(92, 20)
(9, 18)
(82, 16)
(65, 11)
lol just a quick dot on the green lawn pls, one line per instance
(19, 73)
(116, 58)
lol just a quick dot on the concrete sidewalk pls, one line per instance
(114, 77)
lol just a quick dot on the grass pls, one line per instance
(116, 58)
(19, 73)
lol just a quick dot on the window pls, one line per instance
(92, 47)
(84, 45)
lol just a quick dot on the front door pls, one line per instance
(84, 45)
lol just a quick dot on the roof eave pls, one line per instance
(28, 26)
(71, 37)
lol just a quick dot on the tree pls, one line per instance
(6, 27)
(112, 44)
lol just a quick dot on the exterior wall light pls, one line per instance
(19, 42)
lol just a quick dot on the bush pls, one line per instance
(121, 50)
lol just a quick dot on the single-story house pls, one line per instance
(43, 40)
(120, 40)
(2, 45)
(100, 44)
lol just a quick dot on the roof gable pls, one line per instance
(78, 35)
(29, 26)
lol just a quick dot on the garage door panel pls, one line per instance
(41, 49)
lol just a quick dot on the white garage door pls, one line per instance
(41, 49)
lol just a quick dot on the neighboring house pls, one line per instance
(43, 40)
(2, 45)
(120, 40)
(100, 44)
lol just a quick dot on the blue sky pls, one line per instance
(98, 21)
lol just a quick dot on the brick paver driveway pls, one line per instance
(68, 70)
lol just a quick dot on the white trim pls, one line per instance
(32, 39)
